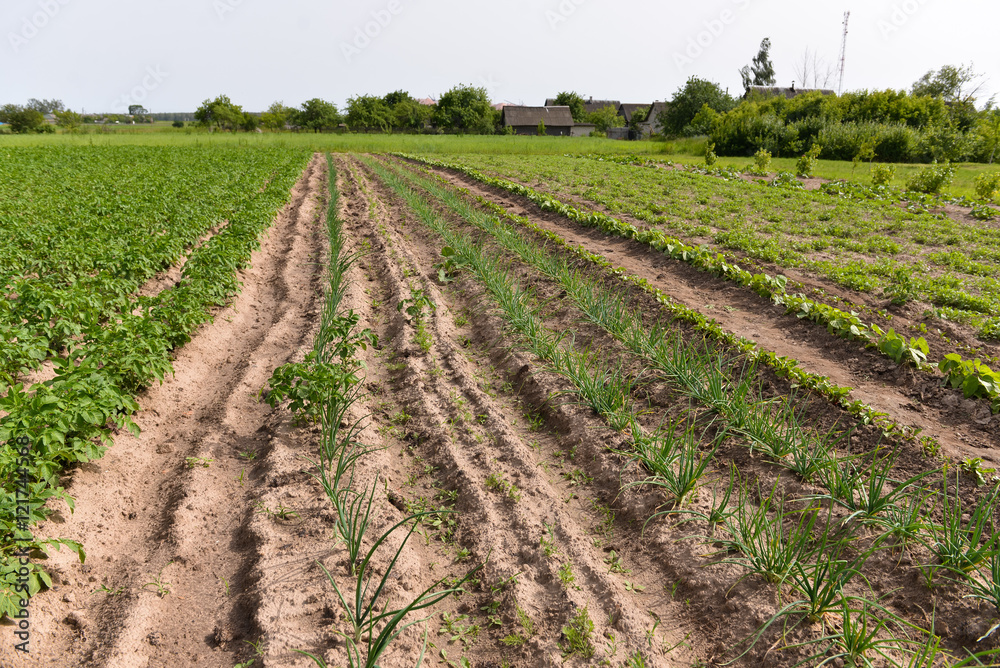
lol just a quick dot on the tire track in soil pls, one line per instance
(142, 511)
(510, 532)
(961, 426)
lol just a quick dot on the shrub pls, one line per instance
(178, 124)
(890, 143)
(983, 212)
(807, 163)
(710, 157)
(882, 175)
(988, 187)
(931, 179)
(761, 162)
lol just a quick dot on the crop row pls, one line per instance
(975, 379)
(83, 229)
(69, 417)
(871, 241)
(802, 550)
(325, 386)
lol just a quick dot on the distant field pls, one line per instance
(687, 151)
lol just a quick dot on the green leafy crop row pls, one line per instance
(838, 322)
(104, 342)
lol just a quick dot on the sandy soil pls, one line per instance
(144, 514)
(240, 541)
(964, 427)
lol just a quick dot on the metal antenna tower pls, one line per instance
(843, 53)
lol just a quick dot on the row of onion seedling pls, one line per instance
(806, 546)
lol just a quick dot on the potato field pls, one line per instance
(267, 407)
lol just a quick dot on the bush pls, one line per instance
(178, 124)
(761, 162)
(807, 163)
(890, 143)
(988, 187)
(983, 212)
(710, 157)
(882, 175)
(931, 179)
(743, 131)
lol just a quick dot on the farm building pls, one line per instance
(582, 129)
(626, 109)
(652, 122)
(789, 93)
(590, 105)
(524, 120)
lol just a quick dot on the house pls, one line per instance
(582, 129)
(51, 119)
(590, 105)
(788, 93)
(524, 120)
(427, 101)
(652, 123)
(626, 109)
(593, 105)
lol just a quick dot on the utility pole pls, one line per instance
(843, 53)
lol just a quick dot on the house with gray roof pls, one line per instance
(524, 120)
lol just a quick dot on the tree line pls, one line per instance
(462, 109)
(937, 119)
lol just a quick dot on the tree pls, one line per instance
(541, 128)
(45, 106)
(466, 109)
(318, 115)
(605, 118)
(953, 84)
(368, 112)
(761, 69)
(989, 129)
(688, 101)
(958, 87)
(639, 117)
(22, 120)
(575, 103)
(277, 116)
(220, 112)
(68, 119)
(405, 112)
(249, 122)
(812, 71)
(137, 110)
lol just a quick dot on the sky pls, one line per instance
(171, 55)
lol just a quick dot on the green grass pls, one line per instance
(683, 150)
(353, 143)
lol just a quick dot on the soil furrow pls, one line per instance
(147, 513)
(903, 394)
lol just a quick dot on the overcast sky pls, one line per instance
(170, 55)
